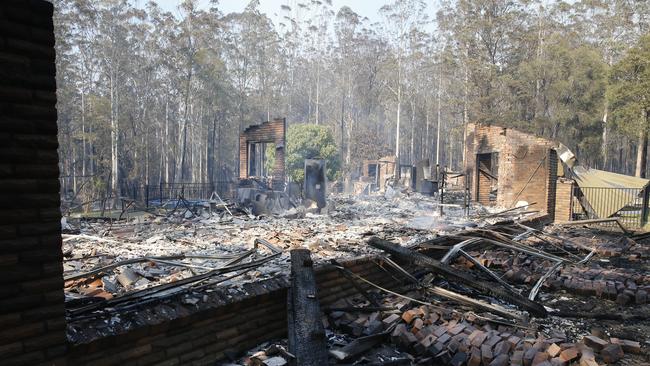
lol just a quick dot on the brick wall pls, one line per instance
(204, 337)
(32, 324)
(527, 166)
(564, 194)
(551, 182)
(270, 131)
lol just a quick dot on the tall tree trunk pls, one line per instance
(439, 119)
(114, 135)
(465, 99)
(538, 82)
(427, 141)
(642, 151)
(605, 144)
(167, 151)
(399, 112)
(83, 135)
(317, 92)
(211, 155)
(343, 147)
(188, 86)
(412, 147)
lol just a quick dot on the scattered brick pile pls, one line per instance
(623, 247)
(446, 338)
(606, 245)
(624, 285)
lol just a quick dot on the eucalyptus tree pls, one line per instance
(401, 18)
(630, 98)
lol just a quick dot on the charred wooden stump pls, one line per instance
(306, 333)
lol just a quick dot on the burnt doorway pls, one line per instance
(487, 173)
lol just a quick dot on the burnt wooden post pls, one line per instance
(468, 198)
(306, 333)
(442, 189)
(146, 195)
(645, 210)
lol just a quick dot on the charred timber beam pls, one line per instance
(450, 295)
(453, 274)
(482, 305)
(306, 333)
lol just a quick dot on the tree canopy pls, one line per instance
(308, 141)
(147, 96)
(630, 88)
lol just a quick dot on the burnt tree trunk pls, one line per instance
(305, 329)
(642, 154)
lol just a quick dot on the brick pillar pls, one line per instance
(32, 322)
(243, 156)
(551, 183)
(279, 128)
(563, 198)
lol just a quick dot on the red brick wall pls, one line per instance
(527, 166)
(271, 131)
(32, 323)
(564, 196)
(207, 336)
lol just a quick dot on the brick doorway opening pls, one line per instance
(487, 171)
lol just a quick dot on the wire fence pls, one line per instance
(159, 193)
(626, 204)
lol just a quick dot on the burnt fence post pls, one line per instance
(644, 208)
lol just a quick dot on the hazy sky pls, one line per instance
(366, 8)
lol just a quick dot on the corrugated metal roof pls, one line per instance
(605, 205)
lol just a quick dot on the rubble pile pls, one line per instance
(625, 285)
(472, 299)
(421, 327)
(206, 240)
(606, 244)
(170, 251)
(425, 335)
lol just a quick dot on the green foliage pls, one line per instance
(307, 141)
(629, 92)
(162, 92)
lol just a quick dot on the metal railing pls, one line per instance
(594, 202)
(159, 193)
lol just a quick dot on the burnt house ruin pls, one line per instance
(505, 167)
(254, 142)
(192, 286)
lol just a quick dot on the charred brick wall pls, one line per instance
(205, 337)
(270, 131)
(484, 183)
(527, 166)
(32, 323)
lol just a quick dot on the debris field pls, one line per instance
(489, 288)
